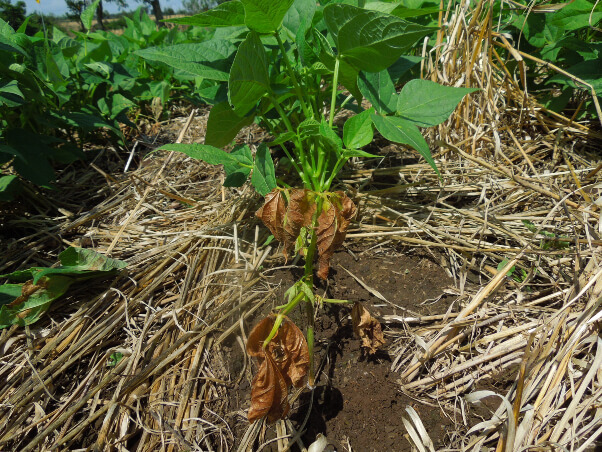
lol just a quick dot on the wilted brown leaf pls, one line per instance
(333, 223)
(367, 328)
(284, 361)
(299, 213)
(295, 361)
(269, 392)
(273, 212)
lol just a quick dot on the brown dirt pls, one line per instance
(357, 400)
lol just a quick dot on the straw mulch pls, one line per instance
(518, 187)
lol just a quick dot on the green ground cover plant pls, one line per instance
(29, 293)
(291, 66)
(57, 91)
(564, 42)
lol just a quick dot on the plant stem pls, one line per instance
(293, 77)
(335, 87)
(308, 280)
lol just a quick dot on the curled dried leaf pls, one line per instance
(299, 213)
(367, 328)
(333, 223)
(295, 362)
(273, 212)
(284, 361)
(269, 392)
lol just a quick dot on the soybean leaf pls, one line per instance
(357, 131)
(299, 17)
(402, 12)
(204, 152)
(30, 151)
(379, 89)
(330, 139)
(575, 15)
(427, 103)
(224, 124)
(10, 94)
(209, 59)
(348, 76)
(404, 132)
(401, 66)
(249, 80)
(227, 14)
(88, 14)
(23, 304)
(588, 71)
(26, 308)
(263, 177)
(237, 174)
(10, 186)
(369, 40)
(265, 16)
(348, 153)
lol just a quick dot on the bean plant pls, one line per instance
(291, 66)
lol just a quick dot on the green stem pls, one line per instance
(298, 145)
(288, 308)
(300, 94)
(335, 87)
(308, 280)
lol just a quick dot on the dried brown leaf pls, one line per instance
(273, 212)
(299, 213)
(333, 223)
(269, 392)
(257, 335)
(367, 328)
(295, 362)
(283, 362)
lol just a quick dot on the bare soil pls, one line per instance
(357, 402)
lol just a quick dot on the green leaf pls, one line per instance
(369, 40)
(402, 12)
(401, 131)
(357, 131)
(379, 89)
(237, 174)
(224, 124)
(204, 152)
(427, 103)
(227, 14)
(10, 94)
(588, 71)
(263, 177)
(575, 15)
(249, 80)
(298, 18)
(33, 306)
(10, 187)
(23, 304)
(283, 138)
(83, 259)
(88, 14)
(330, 140)
(265, 16)
(348, 153)
(30, 153)
(209, 59)
(401, 66)
(348, 77)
